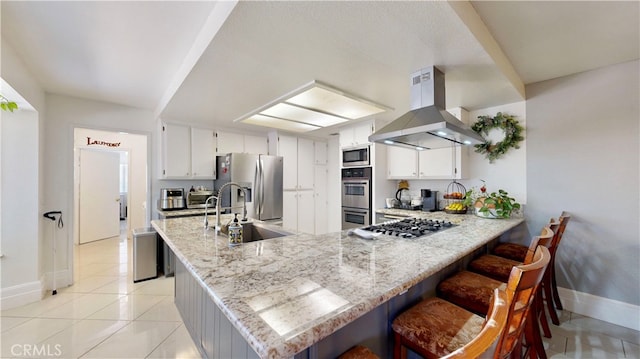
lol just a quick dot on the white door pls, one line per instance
(99, 210)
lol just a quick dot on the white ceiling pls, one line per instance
(157, 54)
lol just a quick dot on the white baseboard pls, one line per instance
(605, 309)
(20, 294)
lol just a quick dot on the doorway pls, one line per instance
(115, 191)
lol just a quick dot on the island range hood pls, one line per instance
(428, 125)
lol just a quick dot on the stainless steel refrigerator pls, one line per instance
(260, 176)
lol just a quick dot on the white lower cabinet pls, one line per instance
(298, 211)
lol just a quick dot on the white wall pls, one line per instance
(583, 145)
(23, 286)
(138, 174)
(20, 231)
(63, 114)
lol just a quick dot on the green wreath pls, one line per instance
(512, 134)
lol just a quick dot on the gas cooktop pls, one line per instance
(410, 227)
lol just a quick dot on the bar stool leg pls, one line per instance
(554, 285)
(547, 284)
(540, 312)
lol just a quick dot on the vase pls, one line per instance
(490, 214)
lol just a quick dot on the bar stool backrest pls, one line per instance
(521, 287)
(544, 239)
(488, 336)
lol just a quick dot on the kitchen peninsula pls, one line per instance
(310, 296)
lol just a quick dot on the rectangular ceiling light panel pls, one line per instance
(272, 122)
(299, 114)
(312, 107)
(328, 101)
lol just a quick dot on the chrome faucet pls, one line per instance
(244, 205)
(206, 207)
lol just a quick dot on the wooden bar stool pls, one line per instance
(358, 352)
(472, 291)
(517, 252)
(435, 328)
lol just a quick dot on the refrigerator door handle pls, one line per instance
(261, 186)
(257, 181)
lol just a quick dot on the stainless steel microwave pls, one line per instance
(355, 157)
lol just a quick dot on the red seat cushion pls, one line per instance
(494, 267)
(469, 290)
(512, 251)
(438, 326)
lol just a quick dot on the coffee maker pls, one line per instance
(429, 200)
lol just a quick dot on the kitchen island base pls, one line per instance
(216, 337)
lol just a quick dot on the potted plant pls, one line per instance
(491, 205)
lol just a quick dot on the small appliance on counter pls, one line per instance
(197, 198)
(429, 200)
(171, 199)
(404, 199)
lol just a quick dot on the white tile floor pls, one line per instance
(105, 315)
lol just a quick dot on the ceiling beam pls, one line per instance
(474, 23)
(217, 17)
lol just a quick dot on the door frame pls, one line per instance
(73, 184)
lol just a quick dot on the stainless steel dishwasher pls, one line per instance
(145, 254)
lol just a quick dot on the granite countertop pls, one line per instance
(285, 294)
(185, 212)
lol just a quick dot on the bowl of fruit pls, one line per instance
(456, 208)
(453, 195)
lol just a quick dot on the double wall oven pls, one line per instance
(356, 197)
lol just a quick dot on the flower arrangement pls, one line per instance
(491, 205)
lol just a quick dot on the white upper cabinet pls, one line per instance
(441, 163)
(298, 162)
(321, 152)
(356, 135)
(255, 144)
(305, 163)
(176, 150)
(288, 149)
(229, 142)
(203, 153)
(188, 152)
(402, 163)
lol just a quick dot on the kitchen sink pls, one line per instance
(252, 232)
